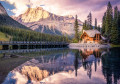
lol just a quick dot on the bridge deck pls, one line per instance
(31, 43)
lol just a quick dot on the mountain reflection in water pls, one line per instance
(99, 66)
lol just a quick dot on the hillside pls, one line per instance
(18, 34)
(43, 21)
(6, 20)
(4, 37)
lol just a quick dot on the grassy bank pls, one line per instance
(113, 45)
(4, 37)
(0, 47)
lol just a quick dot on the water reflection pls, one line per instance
(111, 66)
(76, 62)
(88, 57)
(89, 66)
(110, 63)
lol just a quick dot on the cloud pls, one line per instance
(22, 5)
(66, 7)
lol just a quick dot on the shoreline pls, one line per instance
(88, 45)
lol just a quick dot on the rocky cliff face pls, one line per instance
(41, 20)
(34, 14)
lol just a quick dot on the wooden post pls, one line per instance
(18, 46)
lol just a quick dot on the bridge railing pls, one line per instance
(30, 42)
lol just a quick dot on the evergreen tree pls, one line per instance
(76, 29)
(89, 21)
(114, 30)
(119, 25)
(119, 19)
(109, 20)
(98, 28)
(95, 23)
(103, 24)
(85, 26)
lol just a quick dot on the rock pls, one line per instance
(34, 14)
(34, 73)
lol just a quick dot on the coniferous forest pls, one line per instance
(111, 24)
(18, 34)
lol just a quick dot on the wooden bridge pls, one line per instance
(31, 44)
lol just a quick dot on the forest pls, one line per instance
(18, 34)
(111, 24)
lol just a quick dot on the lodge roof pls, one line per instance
(91, 33)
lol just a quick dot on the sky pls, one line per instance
(62, 7)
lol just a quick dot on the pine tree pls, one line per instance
(95, 23)
(76, 29)
(119, 25)
(114, 30)
(85, 26)
(89, 21)
(109, 20)
(119, 19)
(98, 28)
(103, 24)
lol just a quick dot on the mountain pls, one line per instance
(2, 10)
(6, 20)
(43, 21)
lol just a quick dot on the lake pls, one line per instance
(60, 66)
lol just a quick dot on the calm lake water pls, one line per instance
(65, 66)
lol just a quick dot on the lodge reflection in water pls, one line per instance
(110, 60)
(88, 57)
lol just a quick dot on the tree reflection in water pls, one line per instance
(111, 66)
(76, 62)
(110, 63)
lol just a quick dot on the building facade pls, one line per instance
(91, 36)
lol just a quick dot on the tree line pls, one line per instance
(87, 25)
(111, 24)
(18, 34)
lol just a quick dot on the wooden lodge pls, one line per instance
(91, 36)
